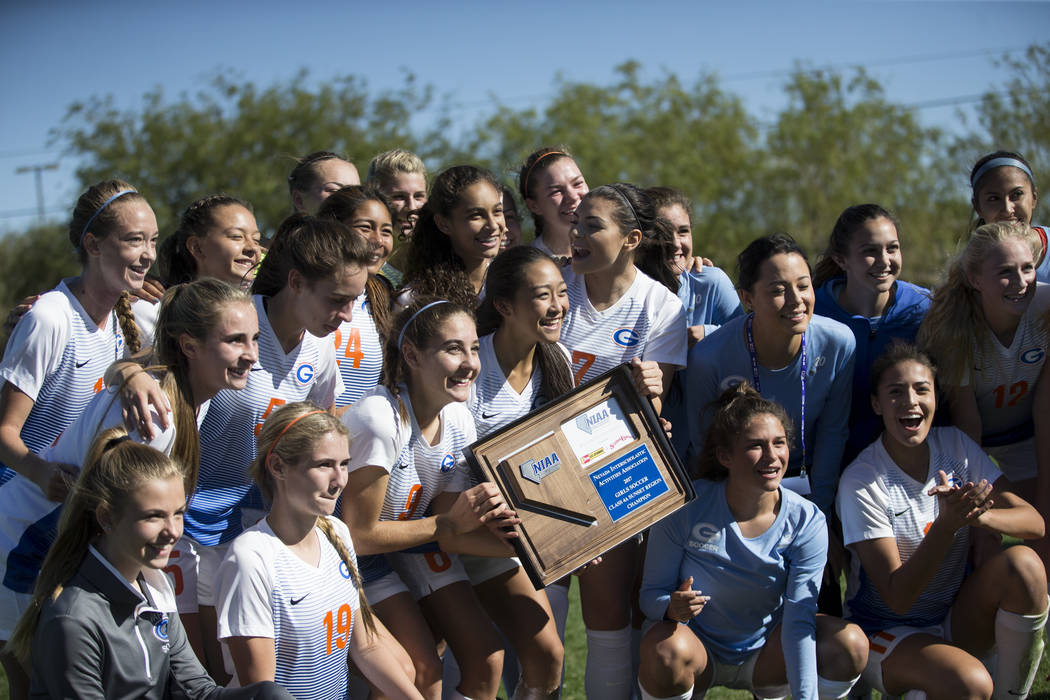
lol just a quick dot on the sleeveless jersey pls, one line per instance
(359, 352)
(1004, 378)
(877, 499)
(647, 322)
(57, 356)
(229, 431)
(265, 590)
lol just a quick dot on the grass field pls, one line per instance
(576, 656)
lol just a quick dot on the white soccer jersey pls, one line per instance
(1004, 379)
(418, 471)
(493, 401)
(877, 499)
(359, 352)
(228, 433)
(265, 590)
(648, 322)
(146, 314)
(57, 356)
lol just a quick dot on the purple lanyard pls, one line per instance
(758, 385)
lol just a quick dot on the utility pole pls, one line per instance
(37, 170)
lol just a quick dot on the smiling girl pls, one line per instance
(801, 361)
(552, 186)
(730, 583)
(457, 236)
(103, 622)
(296, 568)
(523, 367)
(622, 308)
(907, 506)
(1004, 190)
(988, 329)
(60, 348)
(359, 341)
(304, 290)
(857, 282)
(206, 342)
(408, 487)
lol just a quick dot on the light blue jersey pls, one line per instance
(722, 360)
(710, 300)
(755, 584)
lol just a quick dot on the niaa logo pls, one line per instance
(1032, 356)
(587, 421)
(304, 373)
(448, 462)
(626, 337)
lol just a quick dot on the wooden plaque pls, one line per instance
(584, 474)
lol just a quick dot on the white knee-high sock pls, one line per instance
(558, 596)
(684, 696)
(454, 694)
(608, 674)
(1019, 642)
(636, 658)
(828, 689)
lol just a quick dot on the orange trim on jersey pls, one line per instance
(1041, 232)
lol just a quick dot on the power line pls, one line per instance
(26, 153)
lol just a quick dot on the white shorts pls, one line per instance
(209, 559)
(882, 643)
(183, 570)
(737, 676)
(1016, 460)
(426, 572)
(386, 586)
(481, 569)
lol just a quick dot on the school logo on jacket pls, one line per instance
(705, 537)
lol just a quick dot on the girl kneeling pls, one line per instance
(740, 568)
(906, 504)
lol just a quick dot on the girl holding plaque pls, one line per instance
(523, 367)
(407, 497)
(622, 308)
(730, 583)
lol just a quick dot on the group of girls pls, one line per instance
(322, 418)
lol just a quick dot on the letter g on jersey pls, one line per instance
(304, 373)
(1032, 356)
(626, 337)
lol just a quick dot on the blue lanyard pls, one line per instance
(758, 385)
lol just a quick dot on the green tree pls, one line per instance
(33, 261)
(1015, 117)
(699, 139)
(839, 142)
(237, 138)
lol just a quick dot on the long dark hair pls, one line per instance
(505, 280)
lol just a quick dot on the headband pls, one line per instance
(997, 163)
(630, 206)
(401, 335)
(99, 211)
(285, 430)
(528, 173)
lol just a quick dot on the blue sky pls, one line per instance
(55, 53)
